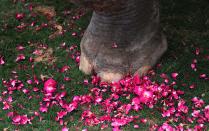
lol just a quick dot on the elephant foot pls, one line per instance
(125, 41)
(85, 65)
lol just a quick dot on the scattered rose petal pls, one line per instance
(2, 62)
(19, 16)
(174, 75)
(43, 109)
(65, 129)
(114, 45)
(197, 51)
(20, 57)
(202, 76)
(192, 86)
(64, 68)
(50, 86)
(20, 48)
(74, 34)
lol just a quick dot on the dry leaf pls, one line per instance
(5, 129)
(49, 51)
(46, 10)
(43, 77)
(46, 57)
(59, 27)
(55, 34)
(39, 59)
(58, 32)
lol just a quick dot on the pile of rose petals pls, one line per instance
(139, 92)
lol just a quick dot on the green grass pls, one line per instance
(185, 23)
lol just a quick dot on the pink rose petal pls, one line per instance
(20, 57)
(65, 128)
(19, 16)
(174, 75)
(2, 62)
